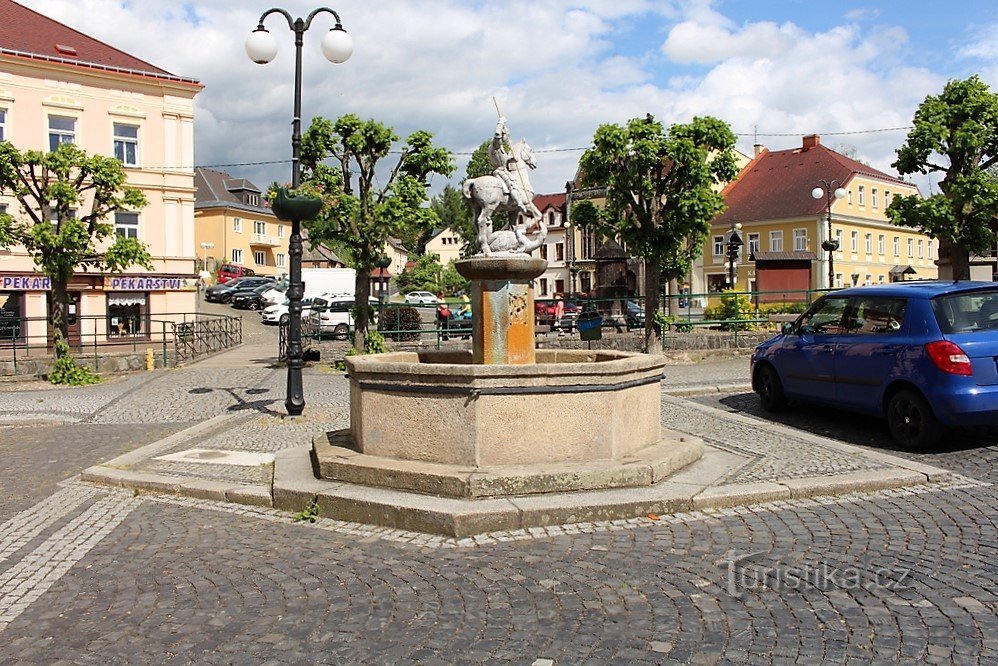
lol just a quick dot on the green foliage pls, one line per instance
(67, 372)
(309, 514)
(661, 192)
(423, 275)
(359, 213)
(374, 343)
(733, 306)
(65, 197)
(954, 134)
(795, 307)
(401, 319)
(452, 282)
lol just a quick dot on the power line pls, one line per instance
(755, 135)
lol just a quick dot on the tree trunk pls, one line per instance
(953, 262)
(653, 332)
(58, 308)
(672, 304)
(362, 294)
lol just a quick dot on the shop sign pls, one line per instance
(126, 283)
(25, 283)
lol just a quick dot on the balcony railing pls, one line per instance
(263, 239)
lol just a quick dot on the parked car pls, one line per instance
(635, 315)
(272, 313)
(251, 299)
(421, 298)
(227, 272)
(923, 355)
(330, 314)
(545, 311)
(222, 293)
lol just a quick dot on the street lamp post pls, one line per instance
(206, 247)
(261, 48)
(734, 244)
(831, 191)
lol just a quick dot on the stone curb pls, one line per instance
(704, 389)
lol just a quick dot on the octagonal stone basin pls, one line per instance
(573, 406)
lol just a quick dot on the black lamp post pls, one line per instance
(261, 48)
(734, 244)
(831, 191)
(383, 263)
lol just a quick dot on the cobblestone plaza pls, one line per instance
(92, 574)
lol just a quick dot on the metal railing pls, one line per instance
(175, 337)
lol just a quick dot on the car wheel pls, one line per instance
(253, 305)
(341, 332)
(911, 421)
(770, 389)
(226, 298)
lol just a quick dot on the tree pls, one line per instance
(954, 134)
(423, 275)
(357, 213)
(51, 189)
(660, 195)
(455, 214)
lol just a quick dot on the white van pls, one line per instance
(330, 314)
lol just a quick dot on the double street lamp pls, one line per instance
(261, 47)
(831, 190)
(734, 246)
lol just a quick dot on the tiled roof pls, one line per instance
(319, 254)
(217, 188)
(778, 184)
(26, 33)
(545, 201)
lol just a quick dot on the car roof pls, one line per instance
(917, 288)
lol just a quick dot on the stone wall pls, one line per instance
(38, 366)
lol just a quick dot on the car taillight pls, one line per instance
(949, 358)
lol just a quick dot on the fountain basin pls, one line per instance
(434, 422)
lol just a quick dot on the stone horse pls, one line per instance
(489, 194)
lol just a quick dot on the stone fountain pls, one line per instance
(476, 433)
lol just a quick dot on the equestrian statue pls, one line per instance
(507, 189)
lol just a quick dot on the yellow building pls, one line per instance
(58, 85)
(446, 244)
(783, 226)
(233, 224)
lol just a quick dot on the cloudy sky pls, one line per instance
(778, 68)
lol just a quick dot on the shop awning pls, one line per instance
(903, 270)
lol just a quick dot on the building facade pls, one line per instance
(781, 224)
(59, 85)
(446, 244)
(235, 225)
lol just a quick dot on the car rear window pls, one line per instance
(967, 312)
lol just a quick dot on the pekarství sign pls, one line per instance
(148, 283)
(25, 283)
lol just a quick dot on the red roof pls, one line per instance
(545, 201)
(777, 185)
(26, 33)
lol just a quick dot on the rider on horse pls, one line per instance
(503, 163)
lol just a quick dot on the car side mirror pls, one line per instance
(787, 328)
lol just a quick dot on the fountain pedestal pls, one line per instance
(502, 300)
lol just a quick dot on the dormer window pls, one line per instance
(62, 49)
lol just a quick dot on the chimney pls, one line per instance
(759, 149)
(811, 141)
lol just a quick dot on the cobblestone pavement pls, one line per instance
(92, 575)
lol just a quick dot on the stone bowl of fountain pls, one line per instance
(504, 419)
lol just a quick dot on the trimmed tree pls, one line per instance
(52, 190)
(954, 134)
(661, 195)
(358, 213)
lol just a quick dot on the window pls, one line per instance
(544, 285)
(3, 124)
(911, 248)
(919, 248)
(718, 246)
(126, 144)
(551, 219)
(854, 241)
(862, 192)
(559, 252)
(776, 241)
(880, 278)
(929, 253)
(897, 246)
(717, 282)
(838, 239)
(878, 315)
(880, 244)
(126, 225)
(280, 231)
(252, 199)
(62, 129)
(12, 313)
(237, 225)
(869, 279)
(849, 199)
(887, 198)
(800, 239)
(281, 261)
(873, 197)
(753, 244)
(544, 251)
(127, 314)
(260, 228)
(260, 258)
(838, 280)
(869, 243)
(824, 317)
(237, 256)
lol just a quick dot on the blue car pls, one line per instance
(924, 355)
